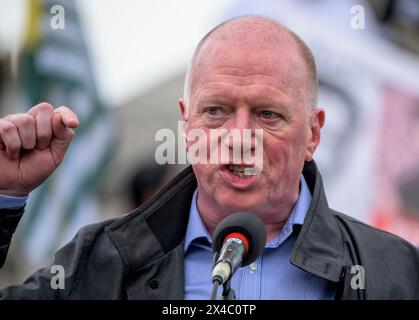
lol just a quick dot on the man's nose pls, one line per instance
(241, 132)
(242, 119)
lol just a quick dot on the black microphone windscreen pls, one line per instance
(247, 224)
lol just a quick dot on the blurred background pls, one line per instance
(121, 64)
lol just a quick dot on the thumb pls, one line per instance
(61, 137)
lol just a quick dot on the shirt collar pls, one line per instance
(297, 216)
(196, 229)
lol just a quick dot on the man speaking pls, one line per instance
(247, 73)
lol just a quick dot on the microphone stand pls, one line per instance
(228, 292)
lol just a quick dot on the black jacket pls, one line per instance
(140, 255)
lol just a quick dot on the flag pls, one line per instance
(56, 69)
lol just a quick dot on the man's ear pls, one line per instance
(317, 120)
(183, 110)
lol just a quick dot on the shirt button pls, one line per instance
(154, 284)
(253, 266)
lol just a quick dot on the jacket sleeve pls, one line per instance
(53, 282)
(87, 267)
(9, 219)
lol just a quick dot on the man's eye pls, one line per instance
(214, 111)
(268, 115)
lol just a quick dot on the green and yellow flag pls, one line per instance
(56, 69)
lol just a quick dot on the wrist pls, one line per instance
(14, 193)
(12, 202)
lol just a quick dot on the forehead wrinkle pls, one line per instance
(279, 64)
(280, 54)
(229, 94)
(283, 72)
(218, 80)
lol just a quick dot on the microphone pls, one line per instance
(238, 240)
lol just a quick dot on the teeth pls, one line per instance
(249, 171)
(239, 171)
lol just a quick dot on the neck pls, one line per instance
(274, 221)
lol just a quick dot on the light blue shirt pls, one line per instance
(9, 202)
(271, 277)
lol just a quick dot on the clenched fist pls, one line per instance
(32, 145)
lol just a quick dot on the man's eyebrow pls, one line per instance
(256, 102)
(215, 100)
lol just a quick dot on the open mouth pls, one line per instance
(240, 176)
(241, 171)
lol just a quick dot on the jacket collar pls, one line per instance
(160, 226)
(319, 246)
(150, 241)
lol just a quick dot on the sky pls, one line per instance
(133, 44)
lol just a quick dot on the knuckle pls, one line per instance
(46, 111)
(60, 109)
(41, 108)
(22, 119)
(6, 127)
(43, 119)
(44, 106)
(64, 110)
(26, 120)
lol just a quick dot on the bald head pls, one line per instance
(257, 32)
